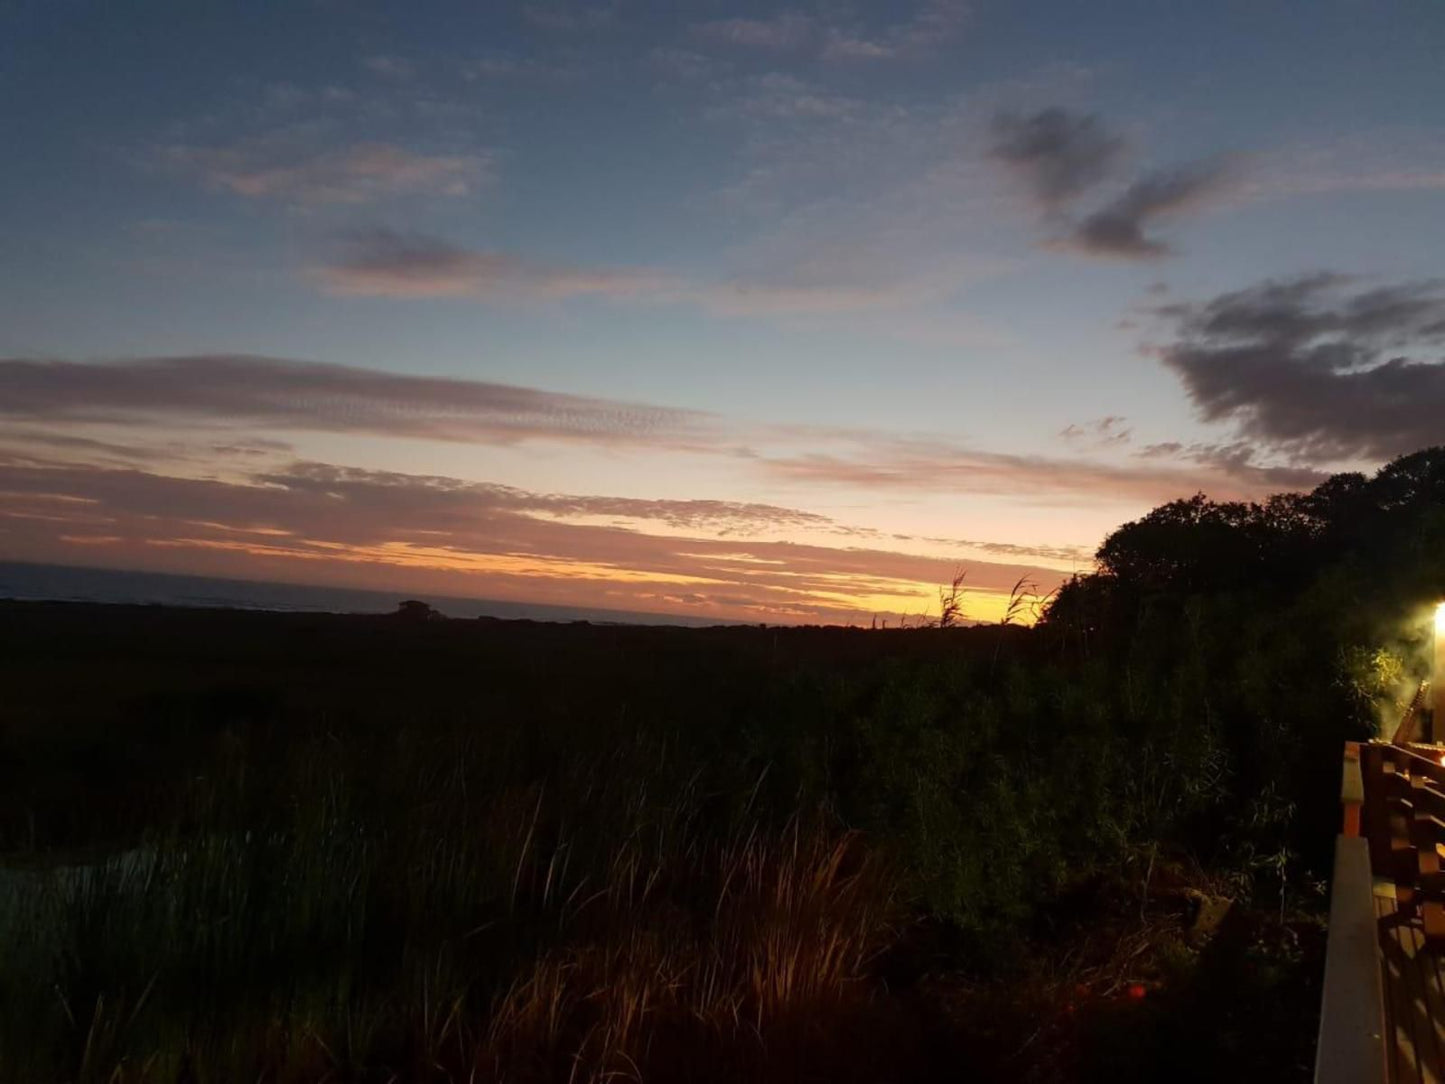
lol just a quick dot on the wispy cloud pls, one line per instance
(237, 393)
(388, 67)
(687, 65)
(933, 24)
(570, 18)
(1320, 367)
(783, 31)
(1397, 159)
(464, 537)
(1103, 432)
(382, 263)
(777, 96)
(291, 170)
(833, 37)
(244, 391)
(916, 465)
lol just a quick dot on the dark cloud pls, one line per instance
(1317, 367)
(241, 391)
(1061, 156)
(1118, 229)
(1057, 153)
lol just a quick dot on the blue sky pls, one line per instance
(950, 278)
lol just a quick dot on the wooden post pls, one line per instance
(1352, 789)
(1376, 822)
(1437, 679)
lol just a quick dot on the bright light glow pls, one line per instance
(1440, 619)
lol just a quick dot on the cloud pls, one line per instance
(1236, 459)
(382, 263)
(723, 517)
(228, 394)
(388, 67)
(1318, 367)
(784, 31)
(286, 169)
(1100, 433)
(239, 391)
(324, 522)
(1398, 158)
(1118, 228)
(776, 96)
(935, 23)
(918, 465)
(686, 65)
(1061, 156)
(570, 18)
(1057, 153)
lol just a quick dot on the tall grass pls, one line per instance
(594, 854)
(586, 930)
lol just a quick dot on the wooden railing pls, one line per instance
(1352, 1047)
(1382, 1016)
(1404, 821)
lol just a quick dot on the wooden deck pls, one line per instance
(1414, 995)
(1382, 1017)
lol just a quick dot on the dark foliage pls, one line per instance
(296, 847)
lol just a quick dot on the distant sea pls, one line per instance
(66, 584)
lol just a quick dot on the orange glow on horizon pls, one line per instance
(827, 597)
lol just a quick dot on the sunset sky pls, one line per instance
(761, 312)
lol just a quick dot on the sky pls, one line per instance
(767, 312)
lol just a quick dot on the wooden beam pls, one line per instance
(1351, 1046)
(1352, 789)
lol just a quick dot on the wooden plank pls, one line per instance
(1428, 962)
(1424, 760)
(1409, 945)
(1405, 1064)
(1352, 1019)
(1385, 914)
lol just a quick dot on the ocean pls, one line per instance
(68, 584)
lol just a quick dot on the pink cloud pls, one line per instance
(318, 522)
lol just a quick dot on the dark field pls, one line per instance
(249, 846)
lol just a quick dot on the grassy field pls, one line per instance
(244, 846)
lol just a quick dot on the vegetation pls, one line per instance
(306, 847)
